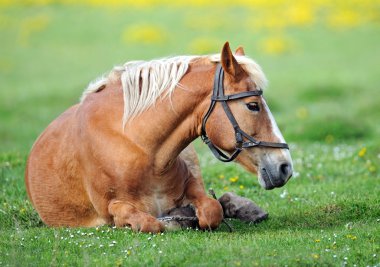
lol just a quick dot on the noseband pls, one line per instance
(219, 96)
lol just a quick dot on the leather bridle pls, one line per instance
(219, 96)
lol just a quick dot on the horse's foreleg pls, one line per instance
(208, 210)
(125, 214)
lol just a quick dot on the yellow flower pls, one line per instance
(234, 179)
(144, 33)
(241, 186)
(204, 45)
(345, 18)
(300, 14)
(317, 240)
(315, 256)
(362, 152)
(221, 176)
(352, 237)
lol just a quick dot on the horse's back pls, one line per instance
(53, 177)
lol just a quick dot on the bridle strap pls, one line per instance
(218, 83)
(219, 96)
(236, 96)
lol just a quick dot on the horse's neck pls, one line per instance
(174, 122)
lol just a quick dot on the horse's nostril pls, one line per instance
(285, 170)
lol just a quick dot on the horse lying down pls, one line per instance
(234, 206)
(123, 155)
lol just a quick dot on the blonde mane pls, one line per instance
(145, 81)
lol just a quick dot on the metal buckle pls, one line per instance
(205, 139)
(239, 145)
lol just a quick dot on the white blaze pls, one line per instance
(277, 133)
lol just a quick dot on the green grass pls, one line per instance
(324, 94)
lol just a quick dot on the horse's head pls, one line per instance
(257, 137)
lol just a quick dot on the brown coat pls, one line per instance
(84, 170)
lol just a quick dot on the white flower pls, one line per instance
(284, 194)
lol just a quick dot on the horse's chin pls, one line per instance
(268, 181)
(270, 175)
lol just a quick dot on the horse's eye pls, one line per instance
(253, 106)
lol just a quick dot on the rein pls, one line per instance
(219, 96)
(179, 218)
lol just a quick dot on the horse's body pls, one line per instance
(89, 168)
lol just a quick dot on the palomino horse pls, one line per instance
(122, 155)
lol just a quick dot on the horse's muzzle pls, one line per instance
(275, 175)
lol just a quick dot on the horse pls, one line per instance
(123, 156)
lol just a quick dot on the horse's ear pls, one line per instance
(229, 63)
(240, 51)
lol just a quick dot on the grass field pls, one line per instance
(322, 61)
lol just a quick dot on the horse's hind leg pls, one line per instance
(125, 214)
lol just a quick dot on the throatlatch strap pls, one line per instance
(220, 155)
